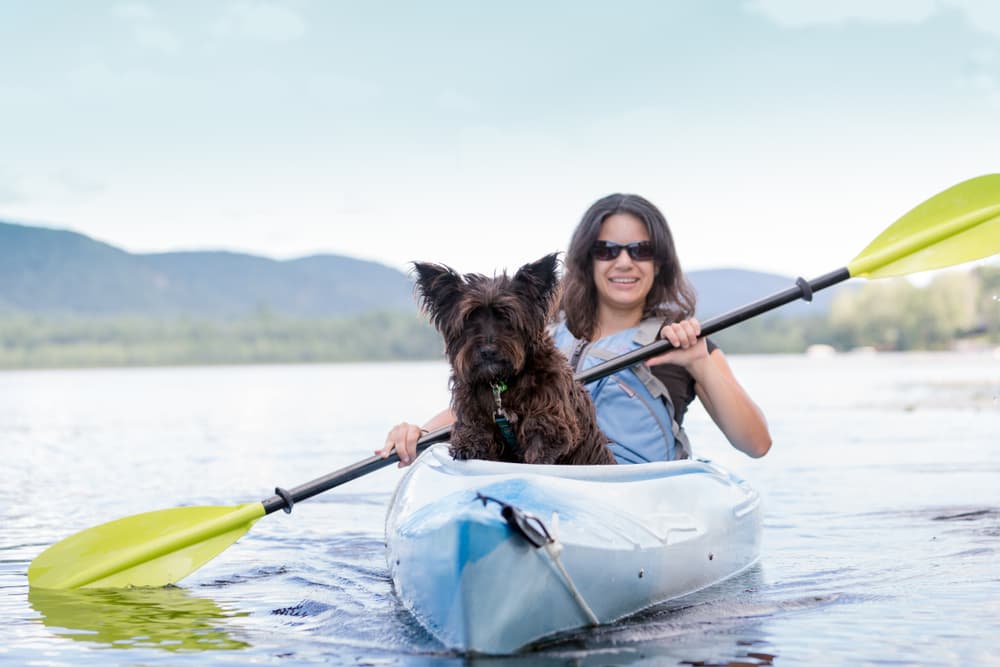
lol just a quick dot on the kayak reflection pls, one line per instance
(164, 618)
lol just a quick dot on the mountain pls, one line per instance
(51, 271)
(722, 290)
(56, 271)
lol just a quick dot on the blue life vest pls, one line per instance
(634, 409)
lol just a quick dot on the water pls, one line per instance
(881, 535)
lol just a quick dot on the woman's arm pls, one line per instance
(403, 437)
(725, 400)
(729, 405)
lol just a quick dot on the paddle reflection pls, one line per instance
(163, 618)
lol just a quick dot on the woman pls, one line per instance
(623, 284)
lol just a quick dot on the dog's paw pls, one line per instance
(537, 450)
(460, 453)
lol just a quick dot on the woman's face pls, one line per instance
(623, 283)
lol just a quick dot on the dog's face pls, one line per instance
(489, 325)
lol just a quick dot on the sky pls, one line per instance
(775, 135)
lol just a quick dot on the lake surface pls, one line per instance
(881, 538)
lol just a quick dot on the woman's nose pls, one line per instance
(623, 259)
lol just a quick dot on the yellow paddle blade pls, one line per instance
(958, 225)
(151, 549)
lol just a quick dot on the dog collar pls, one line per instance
(501, 419)
(498, 388)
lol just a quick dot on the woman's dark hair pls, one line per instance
(671, 297)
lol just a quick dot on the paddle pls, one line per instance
(159, 548)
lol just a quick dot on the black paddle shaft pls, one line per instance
(803, 289)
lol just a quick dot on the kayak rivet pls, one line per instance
(397, 561)
(642, 573)
(711, 556)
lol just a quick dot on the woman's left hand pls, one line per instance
(688, 348)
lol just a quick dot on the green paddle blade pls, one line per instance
(958, 225)
(152, 549)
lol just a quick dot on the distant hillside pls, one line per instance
(722, 290)
(51, 271)
(55, 271)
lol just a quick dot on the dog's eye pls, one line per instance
(503, 311)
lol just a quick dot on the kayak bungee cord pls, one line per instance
(533, 530)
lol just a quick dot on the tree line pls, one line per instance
(34, 341)
(889, 315)
(884, 314)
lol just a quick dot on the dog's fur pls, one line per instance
(494, 330)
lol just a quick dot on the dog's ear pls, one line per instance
(539, 278)
(439, 289)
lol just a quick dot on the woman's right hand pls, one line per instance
(402, 439)
(688, 346)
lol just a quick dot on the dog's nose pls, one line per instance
(489, 352)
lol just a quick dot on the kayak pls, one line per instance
(490, 557)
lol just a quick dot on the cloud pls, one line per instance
(982, 15)
(92, 78)
(260, 21)
(65, 184)
(796, 13)
(62, 186)
(74, 185)
(985, 84)
(157, 38)
(133, 11)
(342, 88)
(982, 75)
(147, 30)
(10, 193)
(453, 100)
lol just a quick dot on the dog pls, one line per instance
(513, 393)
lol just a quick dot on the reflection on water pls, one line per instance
(164, 618)
(671, 633)
(749, 658)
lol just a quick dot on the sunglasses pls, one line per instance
(605, 251)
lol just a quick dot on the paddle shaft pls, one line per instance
(346, 474)
(802, 290)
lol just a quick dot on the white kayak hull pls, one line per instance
(628, 537)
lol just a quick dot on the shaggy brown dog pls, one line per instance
(505, 364)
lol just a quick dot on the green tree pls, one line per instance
(988, 301)
(877, 315)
